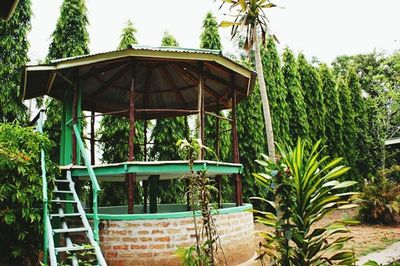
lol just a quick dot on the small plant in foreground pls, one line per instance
(305, 189)
(205, 252)
(381, 201)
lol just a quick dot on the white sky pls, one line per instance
(321, 28)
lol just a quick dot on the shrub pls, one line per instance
(21, 194)
(305, 189)
(380, 201)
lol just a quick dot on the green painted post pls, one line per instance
(66, 131)
(79, 122)
(153, 180)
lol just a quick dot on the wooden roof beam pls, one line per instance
(168, 77)
(111, 81)
(206, 88)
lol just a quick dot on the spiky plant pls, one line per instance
(305, 188)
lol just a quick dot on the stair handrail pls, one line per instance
(39, 127)
(93, 179)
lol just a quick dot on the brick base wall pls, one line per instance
(154, 242)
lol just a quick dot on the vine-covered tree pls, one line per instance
(114, 139)
(349, 127)
(277, 92)
(210, 39)
(166, 133)
(70, 38)
(334, 115)
(298, 121)
(13, 55)
(313, 98)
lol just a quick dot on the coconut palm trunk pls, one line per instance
(264, 97)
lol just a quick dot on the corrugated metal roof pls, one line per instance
(148, 48)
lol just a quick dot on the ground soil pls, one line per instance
(366, 238)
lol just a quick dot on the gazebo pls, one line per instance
(141, 83)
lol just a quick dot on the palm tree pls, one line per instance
(250, 18)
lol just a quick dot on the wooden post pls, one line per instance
(217, 137)
(153, 180)
(219, 188)
(131, 176)
(145, 195)
(145, 182)
(200, 106)
(237, 177)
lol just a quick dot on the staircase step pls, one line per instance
(75, 214)
(62, 191)
(62, 180)
(74, 248)
(70, 230)
(63, 201)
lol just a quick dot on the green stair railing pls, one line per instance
(93, 179)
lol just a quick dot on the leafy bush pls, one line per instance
(305, 190)
(21, 194)
(381, 201)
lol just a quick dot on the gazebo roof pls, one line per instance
(166, 80)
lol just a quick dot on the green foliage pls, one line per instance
(250, 129)
(209, 38)
(298, 121)
(249, 17)
(334, 115)
(21, 193)
(114, 139)
(306, 188)
(166, 132)
(276, 91)
(70, 38)
(349, 126)
(13, 55)
(128, 36)
(381, 201)
(313, 98)
(169, 40)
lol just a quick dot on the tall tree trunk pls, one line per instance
(264, 98)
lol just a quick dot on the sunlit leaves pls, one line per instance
(305, 190)
(21, 193)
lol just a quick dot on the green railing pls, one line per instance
(44, 192)
(93, 179)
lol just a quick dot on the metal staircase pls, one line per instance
(80, 243)
(63, 194)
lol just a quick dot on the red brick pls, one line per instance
(130, 239)
(157, 231)
(163, 239)
(121, 247)
(143, 232)
(138, 246)
(111, 254)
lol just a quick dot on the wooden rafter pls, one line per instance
(50, 81)
(195, 80)
(111, 81)
(168, 77)
(94, 71)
